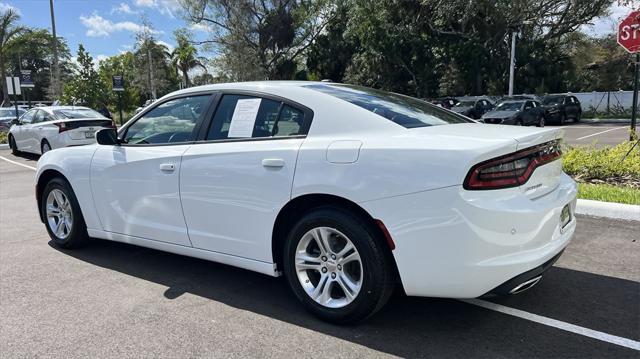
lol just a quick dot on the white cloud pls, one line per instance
(123, 8)
(199, 27)
(607, 24)
(168, 45)
(145, 3)
(4, 7)
(97, 26)
(165, 7)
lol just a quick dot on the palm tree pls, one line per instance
(8, 30)
(184, 56)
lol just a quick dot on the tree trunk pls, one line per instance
(186, 77)
(5, 90)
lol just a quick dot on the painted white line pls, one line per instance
(628, 343)
(598, 133)
(17, 163)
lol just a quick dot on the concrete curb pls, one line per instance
(625, 121)
(4, 146)
(627, 212)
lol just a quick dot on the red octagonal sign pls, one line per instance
(629, 32)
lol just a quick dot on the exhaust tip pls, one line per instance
(525, 285)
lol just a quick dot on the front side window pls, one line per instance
(242, 116)
(509, 106)
(27, 118)
(403, 110)
(39, 117)
(170, 122)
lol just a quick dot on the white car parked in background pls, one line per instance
(345, 190)
(45, 128)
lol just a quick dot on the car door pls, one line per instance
(30, 131)
(569, 108)
(527, 113)
(234, 183)
(135, 184)
(19, 131)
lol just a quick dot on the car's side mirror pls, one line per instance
(108, 137)
(15, 121)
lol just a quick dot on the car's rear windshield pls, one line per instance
(466, 103)
(406, 111)
(77, 113)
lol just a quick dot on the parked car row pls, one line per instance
(523, 110)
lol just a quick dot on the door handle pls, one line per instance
(273, 162)
(167, 167)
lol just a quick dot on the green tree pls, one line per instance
(8, 31)
(184, 56)
(260, 39)
(120, 65)
(155, 75)
(86, 87)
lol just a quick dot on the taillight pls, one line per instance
(513, 169)
(62, 127)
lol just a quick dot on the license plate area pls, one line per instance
(565, 216)
(89, 134)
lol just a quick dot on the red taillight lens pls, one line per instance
(511, 170)
(62, 127)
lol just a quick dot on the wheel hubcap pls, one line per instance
(329, 267)
(46, 148)
(59, 214)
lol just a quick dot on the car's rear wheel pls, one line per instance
(578, 117)
(62, 215)
(45, 147)
(13, 145)
(336, 266)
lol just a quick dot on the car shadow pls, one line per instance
(406, 326)
(28, 156)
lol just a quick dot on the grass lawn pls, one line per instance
(609, 193)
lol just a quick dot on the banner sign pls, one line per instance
(25, 79)
(118, 83)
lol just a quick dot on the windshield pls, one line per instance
(509, 106)
(406, 111)
(466, 104)
(77, 113)
(552, 100)
(10, 112)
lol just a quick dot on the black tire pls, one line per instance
(578, 117)
(45, 142)
(519, 123)
(378, 276)
(13, 146)
(563, 119)
(77, 236)
(540, 122)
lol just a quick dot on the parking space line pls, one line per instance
(628, 343)
(17, 163)
(598, 133)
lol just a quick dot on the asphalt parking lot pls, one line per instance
(598, 134)
(115, 300)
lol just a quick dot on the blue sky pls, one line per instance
(108, 27)
(104, 27)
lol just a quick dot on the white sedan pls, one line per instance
(45, 128)
(347, 191)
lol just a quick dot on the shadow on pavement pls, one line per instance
(407, 327)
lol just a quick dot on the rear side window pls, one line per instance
(403, 110)
(28, 117)
(242, 116)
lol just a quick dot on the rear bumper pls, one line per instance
(463, 244)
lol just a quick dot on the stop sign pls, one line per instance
(629, 32)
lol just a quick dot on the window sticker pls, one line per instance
(244, 118)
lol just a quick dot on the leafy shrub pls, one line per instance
(590, 164)
(3, 137)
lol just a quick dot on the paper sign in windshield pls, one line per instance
(244, 118)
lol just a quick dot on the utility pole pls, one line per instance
(512, 63)
(56, 68)
(634, 106)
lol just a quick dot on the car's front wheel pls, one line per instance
(62, 215)
(540, 122)
(336, 266)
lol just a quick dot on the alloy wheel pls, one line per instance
(45, 147)
(59, 214)
(328, 267)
